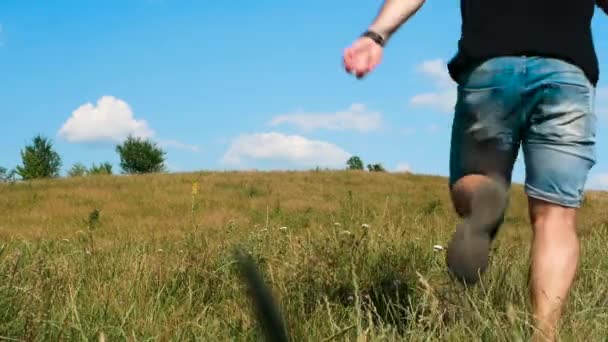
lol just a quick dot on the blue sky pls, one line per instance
(234, 85)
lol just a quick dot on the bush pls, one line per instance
(354, 163)
(376, 168)
(39, 160)
(102, 169)
(77, 170)
(140, 156)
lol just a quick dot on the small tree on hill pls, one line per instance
(140, 156)
(102, 169)
(354, 163)
(77, 170)
(39, 160)
(376, 168)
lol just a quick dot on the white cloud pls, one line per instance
(284, 148)
(356, 118)
(437, 71)
(111, 120)
(599, 182)
(403, 167)
(443, 98)
(179, 145)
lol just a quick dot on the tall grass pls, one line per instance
(348, 256)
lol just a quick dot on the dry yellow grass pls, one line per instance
(157, 263)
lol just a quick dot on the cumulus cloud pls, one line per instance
(356, 118)
(179, 145)
(110, 120)
(403, 167)
(293, 149)
(443, 97)
(599, 182)
(437, 71)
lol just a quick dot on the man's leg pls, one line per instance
(481, 201)
(484, 145)
(559, 151)
(555, 255)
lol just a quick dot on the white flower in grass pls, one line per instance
(337, 224)
(346, 232)
(160, 250)
(438, 248)
(264, 230)
(283, 228)
(365, 226)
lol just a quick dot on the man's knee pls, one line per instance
(552, 216)
(463, 189)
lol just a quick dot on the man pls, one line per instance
(526, 72)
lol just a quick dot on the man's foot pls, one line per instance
(468, 252)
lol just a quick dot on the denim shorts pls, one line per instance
(544, 105)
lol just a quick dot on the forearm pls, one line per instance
(393, 14)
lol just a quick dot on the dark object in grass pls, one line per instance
(266, 310)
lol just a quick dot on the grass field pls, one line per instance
(349, 256)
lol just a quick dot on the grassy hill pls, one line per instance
(348, 255)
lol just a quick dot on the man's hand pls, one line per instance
(603, 4)
(365, 54)
(362, 57)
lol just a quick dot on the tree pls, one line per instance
(102, 169)
(376, 168)
(355, 163)
(77, 170)
(39, 160)
(140, 156)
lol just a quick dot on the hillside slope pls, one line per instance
(151, 257)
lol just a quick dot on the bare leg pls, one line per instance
(555, 255)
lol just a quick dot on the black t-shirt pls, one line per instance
(549, 28)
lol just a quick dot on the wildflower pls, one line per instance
(194, 188)
(264, 230)
(283, 228)
(160, 250)
(345, 232)
(337, 224)
(438, 248)
(365, 226)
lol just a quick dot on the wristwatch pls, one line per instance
(375, 36)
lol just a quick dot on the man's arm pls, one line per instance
(365, 53)
(393, 14)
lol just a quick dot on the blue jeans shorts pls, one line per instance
(543, 105)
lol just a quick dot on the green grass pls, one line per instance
(146, 259)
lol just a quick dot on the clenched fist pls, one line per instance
(362, 56)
